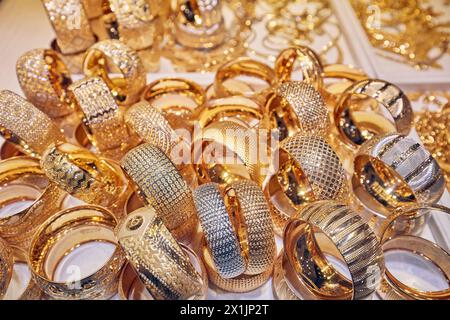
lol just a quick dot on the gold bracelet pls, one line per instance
(241, 67)
(309, 61)
(309, 170)
(161, 186)
(296, 106)
(63, 233)
(102, 118)
(404, 231)
(69, 20)
(357, 121)
(44, 79)
(394, 170)
(115, 56)
(6, 267)
(314, 277)
(161, 264)
(25, 126)
(22, 179)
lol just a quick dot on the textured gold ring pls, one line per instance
(25, 126)
(63, 233)
(44, 79)
(162, 266)
(308, 170)
(114, 56)
(394, 170)
(71, 25)
(355, 242)
(6, 267)
(161, 186)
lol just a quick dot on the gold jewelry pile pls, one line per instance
(191, 185)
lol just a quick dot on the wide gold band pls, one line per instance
(25, 126)
(162, 266)
(114, 56)
(59, 236)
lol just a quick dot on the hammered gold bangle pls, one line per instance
(44, 79)
(394, 170)
(114, 56)
(161, 186)
(309, 61)
(6, 267)
(314, 277)
(161, 264)
(22, 179)
(71, 25)
(59, 236)
(308, 170)
(102, 118)
(357, 122)
(241, 67)
(296, 106)
(25, 126)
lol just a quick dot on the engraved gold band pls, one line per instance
(393, 170)
(356, 245)
(162, 266)
(114, 56)
(44, 79)
(309, 170)
(59, 236)
(25, 126)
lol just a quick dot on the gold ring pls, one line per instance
(73, 62)
(404, 231)
(354, 243)
(296, 106)
(394, 170)
(359, 115)
(22, 179)
(114, 56)
(161, 186)
(44, 79)
(71, 25)
(309, 61)
(102, 118)
(63, 233)
(87, 177)
(93, 8)
(9, 150)
(282, 288)
(241, 67)
(309, 170)
(159, 261)
(25, 126)
(6, 267)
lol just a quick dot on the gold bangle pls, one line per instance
(161, 264)
(59, 236)
(240, 284)
(22, 179)
(357, 123)
(238, 109)
(87, 177)
(44, 79)
(115, 56)
(178, 111)
(73, 62)
(404, 231)
(355, 242)
(6, 267)
(296, 106)
(219, 231)
(25, 126)
(69, 20)
(102, 118)
(241, 67)
(394, 170)
(309, 170)
(199, 24)
(309, 61)
(161, 186)
(9, 150)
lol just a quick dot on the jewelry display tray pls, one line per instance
(24, 26)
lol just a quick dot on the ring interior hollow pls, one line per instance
(58, 73)
(282, 116)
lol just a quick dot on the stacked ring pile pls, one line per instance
(192, 186)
